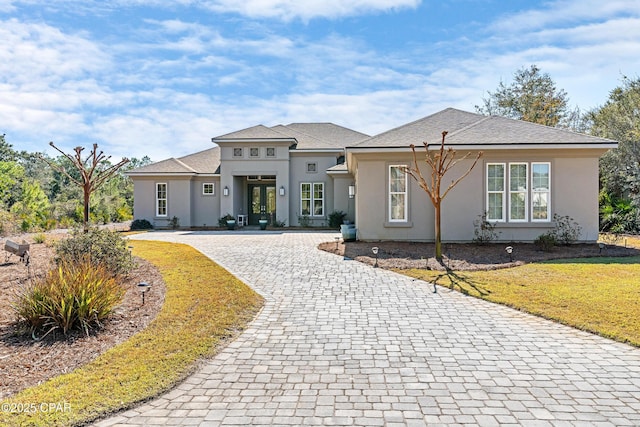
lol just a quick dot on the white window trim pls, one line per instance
(506, 194)
(158, 199)
(526, 192)
(548, 192)
(503, 192)
(392, 193)
(312, 199)
(213, 189)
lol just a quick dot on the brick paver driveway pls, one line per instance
(341, 343)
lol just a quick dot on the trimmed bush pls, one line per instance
(545, 242)
(100, 247)
(76, 295)
(141, 224)
(336, 218)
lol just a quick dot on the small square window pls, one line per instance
(254, 152)
(271, 152)
(208, 189)
(237, 152)
(312, 167)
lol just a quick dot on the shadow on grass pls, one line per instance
(604, 260)
(463, 282)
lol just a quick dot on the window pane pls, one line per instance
(397, 206)
(306, 191)
(495, 177)
(162, 207)
(540, 176)
(540, 206)
(318, 189)
(518, 208)
(397, 180)
(518, 177)
(306, 207)
(317, 208)
(494, 210)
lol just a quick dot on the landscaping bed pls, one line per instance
(25, 362)
(467, 256)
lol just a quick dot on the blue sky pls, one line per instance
(160, 77)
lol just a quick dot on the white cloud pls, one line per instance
(308, 9)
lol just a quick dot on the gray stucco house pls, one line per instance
(302, 172)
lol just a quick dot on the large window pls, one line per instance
(541, 191)
(495, 191)
(398, 206)
(518, 196)
(161, 199)
(510, 191)
(312, 198)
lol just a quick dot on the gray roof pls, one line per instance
(338, 136)
(259, 132)
(466, 128)
(305, 136)
(203, 162)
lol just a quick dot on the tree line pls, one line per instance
(39, 192)
(37, 196)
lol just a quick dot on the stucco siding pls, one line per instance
(299, 174)
(205, 208)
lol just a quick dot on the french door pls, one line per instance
(262, 203)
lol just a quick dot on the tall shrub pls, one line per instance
(100, 247)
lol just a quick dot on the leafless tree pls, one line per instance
(92, 175)
(439, 162)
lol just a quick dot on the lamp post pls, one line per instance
(375, 252)
(143, 287)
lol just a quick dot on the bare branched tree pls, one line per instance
(439, 162)
(92, 176)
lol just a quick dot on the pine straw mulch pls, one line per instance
(466, 256)
(25, 362)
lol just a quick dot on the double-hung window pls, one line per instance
(312, 198)
(518, 191)
(541, 191)
(518, 195)
(495, 191)
(161, 199)
(398, 206)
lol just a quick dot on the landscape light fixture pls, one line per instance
(225, 191)
(375, 251)
(601, 246)
(509, 250)
(143, 287)
(337, 242)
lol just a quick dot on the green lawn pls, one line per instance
(600, 295)
(204, 306)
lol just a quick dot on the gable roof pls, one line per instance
(470, 129)
(302, 136)
(203, 162)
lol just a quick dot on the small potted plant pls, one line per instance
(228, 221)
(263, 223)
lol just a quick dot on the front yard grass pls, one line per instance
(599, 295)
(204, 306)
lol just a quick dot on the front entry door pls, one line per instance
(262, 203)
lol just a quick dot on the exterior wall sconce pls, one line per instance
(225, 191)
(352, 191)
(282, 190)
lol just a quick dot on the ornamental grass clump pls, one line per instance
(77, 295)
